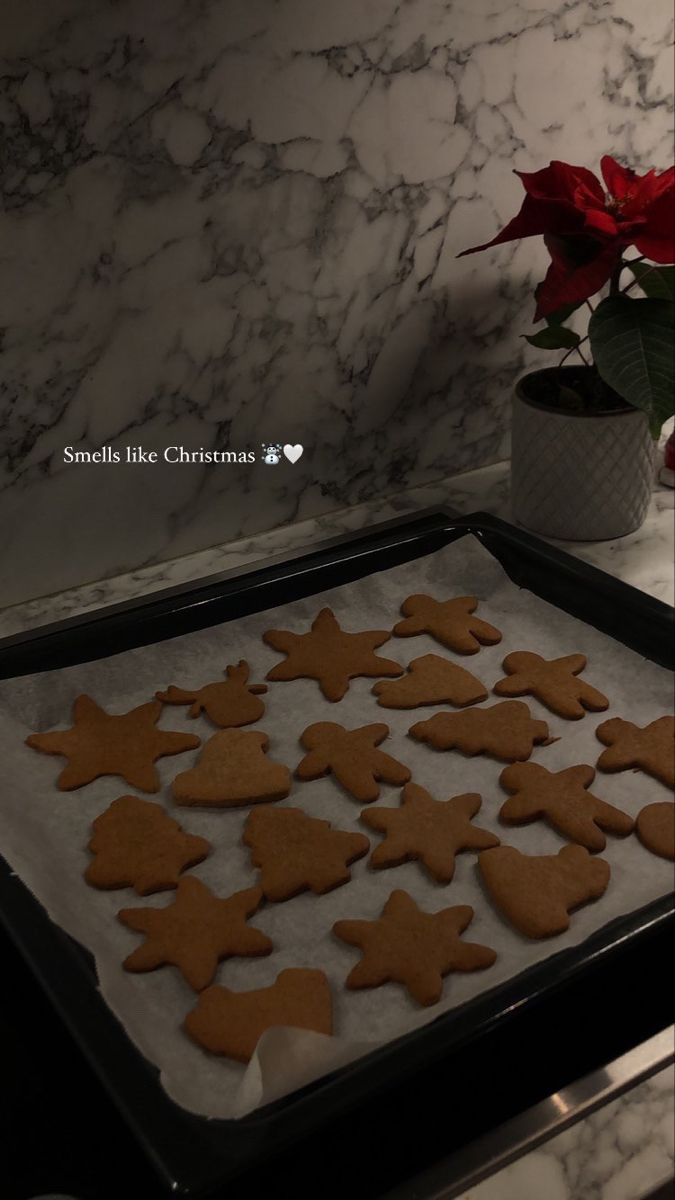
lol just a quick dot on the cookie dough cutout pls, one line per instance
(427, 831)
(505, 731)
(431, 680)
(196, 932)
(562, 799)
(296, 853)
(651, 749)
(451, 622)
(330, 655)
(406, 945)
(233, 770)
(536, 893)
(100, 743)
(232, 1023)
(656, 829)
(552, 681)
(228, 703)
(136, 844)
(351, 755)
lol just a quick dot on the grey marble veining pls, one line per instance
(228, 224)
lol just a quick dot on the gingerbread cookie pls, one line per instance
(430, 680)
(409, 946)
(651, 749)
(229, 703)
(196, 932)
(232, 1023)
(656, 828)
(103, 744)
(352, 757)
(330, 655)
(553, 681)
(427, 830)
(297, 853)
(449, 621)
(137, 844)
(505, 731)
(536, 893)
(562, 799)
(233, 769)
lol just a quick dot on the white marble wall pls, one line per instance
(233, 221)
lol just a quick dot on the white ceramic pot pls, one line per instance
(579, 477)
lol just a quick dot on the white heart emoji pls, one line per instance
(293, 452)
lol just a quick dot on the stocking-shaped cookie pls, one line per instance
(330, 655)
(450, 621)
(99, 743)
(651, 749)
(562, 799)
(233, 769)
(554, 682)
(430, 831)
(430, 680)
(232, 1023)
(537, 893)
(297, 853)
(505, 731)
(352, 757)
(137, 844)
(406, 945)
(229, 703)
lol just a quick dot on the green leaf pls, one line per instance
(656, 282)
(554, 337)
(632, 344)
(561, 314)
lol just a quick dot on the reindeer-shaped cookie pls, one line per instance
(229, 703)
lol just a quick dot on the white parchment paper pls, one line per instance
(44, 832)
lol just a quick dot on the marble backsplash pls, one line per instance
(234, 222)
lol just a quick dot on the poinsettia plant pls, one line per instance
(629, 349)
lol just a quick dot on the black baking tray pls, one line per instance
(534, 1034)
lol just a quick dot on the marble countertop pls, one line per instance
(625, 1149)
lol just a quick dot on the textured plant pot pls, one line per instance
(579, 477)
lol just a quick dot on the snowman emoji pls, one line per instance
(271, 453)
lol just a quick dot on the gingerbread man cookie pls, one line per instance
(449, 621)
(103, 744)
(430, 831)
(352, 757)
(330, 655)
(651, 749)
(196, 932)
(536, 893)
(505, 731)
(554, 682)
(233, 769)
(232, 1023)
(430, 680)
(297, 853)
(562, 799)
(656, 828)
(229, 703)
(406, 945)
(137, 844)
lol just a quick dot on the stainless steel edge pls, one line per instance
(490, 1153)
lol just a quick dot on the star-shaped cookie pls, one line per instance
(230, 702)
(196, 932)
(451, 622)
(553, 681)
(351, 755)
(651, 749)
(137, 844)
(406, 945)
(561, 797)
(297, 853)
(101, 743)
(428, 830)
(330, 655)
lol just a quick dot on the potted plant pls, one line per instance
(583, 434)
